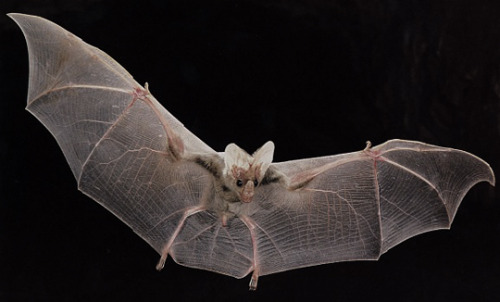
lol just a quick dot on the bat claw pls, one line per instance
(368, 146)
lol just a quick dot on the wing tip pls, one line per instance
(18, 16)
(492, 179)
(489, 173)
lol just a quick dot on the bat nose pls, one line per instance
(248, 191)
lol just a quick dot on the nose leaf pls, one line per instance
(248, 191)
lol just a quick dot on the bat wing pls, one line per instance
(125, 150)
(359, 205)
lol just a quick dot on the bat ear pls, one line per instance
(263, 157)
(235, 156)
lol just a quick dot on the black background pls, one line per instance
(317, 78)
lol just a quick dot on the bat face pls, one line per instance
(242, 172)
(234, 214)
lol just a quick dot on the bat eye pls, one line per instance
(255, 182)
(239, 182)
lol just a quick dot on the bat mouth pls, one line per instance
(246, 197)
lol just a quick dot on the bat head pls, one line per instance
(243, 172)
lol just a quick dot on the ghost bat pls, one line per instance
(231, 212)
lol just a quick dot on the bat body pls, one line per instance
(231, 212)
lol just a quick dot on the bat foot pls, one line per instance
(161, 262)
(253, 281)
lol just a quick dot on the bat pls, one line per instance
(231, 212)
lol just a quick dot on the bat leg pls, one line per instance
(255, 275)
(254, 280)
(166, 249)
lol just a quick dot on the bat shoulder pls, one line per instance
(274, 176)
(213, 163)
